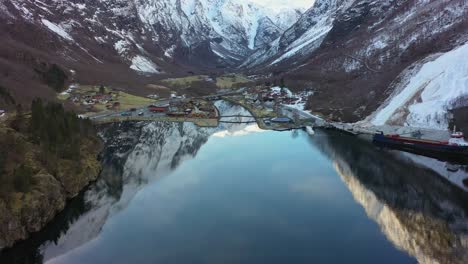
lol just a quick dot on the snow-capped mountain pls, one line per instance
(136, 41)
(285, 18)
(366, 48)
(148, 33)
(303, 37)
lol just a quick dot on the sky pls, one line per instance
(279, 4)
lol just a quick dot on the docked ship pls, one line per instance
(455, 148)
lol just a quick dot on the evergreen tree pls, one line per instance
(282, 85)
(102, 89)
(17, 123)
(23, 179)
(55, 77)
(37, 118)
(59, 132)
(3, 159)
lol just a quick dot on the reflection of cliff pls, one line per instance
(417, 210)
(135, 155)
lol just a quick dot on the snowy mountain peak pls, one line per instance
(148, 35)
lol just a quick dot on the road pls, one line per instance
(142, 109)
(291, 112)
(149, 114)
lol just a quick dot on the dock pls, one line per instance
(367, 131)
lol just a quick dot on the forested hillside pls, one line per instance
(46, 157)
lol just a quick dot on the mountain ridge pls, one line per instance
(360, 46)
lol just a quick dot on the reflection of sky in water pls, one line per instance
(257, 198)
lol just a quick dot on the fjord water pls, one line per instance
(175, 193)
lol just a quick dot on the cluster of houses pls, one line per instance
(186, 108)
(271, 97)
(267, 94)
(175, 96)
(92, 98)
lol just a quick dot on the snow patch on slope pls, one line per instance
(429, 93)
(303, 37)
(313, 35)
(122, 46)
(142, 64)
(57, 29)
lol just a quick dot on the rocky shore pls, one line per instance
(23, 213)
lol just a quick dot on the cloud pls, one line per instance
(279, 4)
(237, 133)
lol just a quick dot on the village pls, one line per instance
(270, 107)
(273, 108)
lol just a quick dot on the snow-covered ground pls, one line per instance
(300, 98)
(312, 37)
(57, 29)
(425, 99)
(142, 64)
(301, 101)
(296, 107)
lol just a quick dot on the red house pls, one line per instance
(157, 109)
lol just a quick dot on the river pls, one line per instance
(176, 193)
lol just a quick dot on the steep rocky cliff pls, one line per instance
(28, 209)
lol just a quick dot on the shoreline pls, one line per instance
(48, 198)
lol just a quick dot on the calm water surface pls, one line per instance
(174, 193)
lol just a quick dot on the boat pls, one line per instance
(445, 150)
(452, 167)
(457, 134)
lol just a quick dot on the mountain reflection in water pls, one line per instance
(417, 209)
(135, 154)
(420, 212)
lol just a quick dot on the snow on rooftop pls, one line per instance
(56, 29)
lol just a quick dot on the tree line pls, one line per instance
(57, 135)
(57, 131)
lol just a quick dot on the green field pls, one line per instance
(126, 100)
(184, 81)
(227, 81)
(63, 97)
(222, 82)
